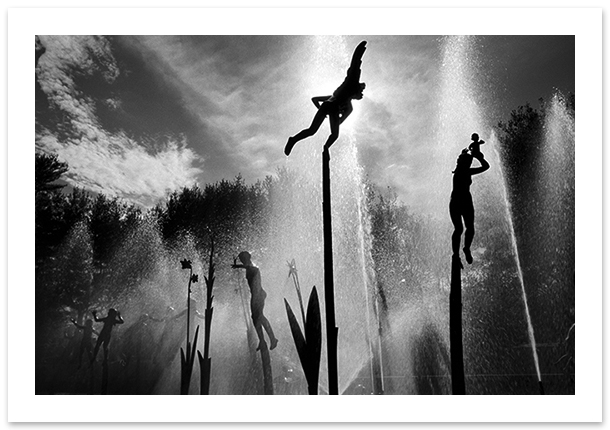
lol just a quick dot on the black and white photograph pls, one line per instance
(331, 213)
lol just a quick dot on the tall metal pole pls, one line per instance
(188, 308)
(329, 287)
(205, 361)
(455, 328)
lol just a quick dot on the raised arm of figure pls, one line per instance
(318, 100)
(353, 73)
(78, 326)
(484, 165)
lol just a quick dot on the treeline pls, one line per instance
(404, 245)
(70, 269)
(538, 152)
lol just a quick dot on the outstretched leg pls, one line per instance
(333, 118)
(313, 128)
(269, 330)
(106, 350)
(458, 228)
(259, 331)
(89, 350)
(97, 348)
(469, 234)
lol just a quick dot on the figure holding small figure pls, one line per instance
(338, 106)
(460, 204)
(85, 343)
(113, 318)
(258, 296)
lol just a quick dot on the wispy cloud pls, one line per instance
(236, 87)
(181, 109)
(120, 167)
(101, 160)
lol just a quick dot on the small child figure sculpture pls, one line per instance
(475, 146)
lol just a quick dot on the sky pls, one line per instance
(140, 116)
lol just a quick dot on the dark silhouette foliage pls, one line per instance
(48, 170)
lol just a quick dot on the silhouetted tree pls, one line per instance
(235, 213)
(48, 169)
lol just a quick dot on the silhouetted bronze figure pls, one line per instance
(338, 106)
(460, 205)
(85, 343)
(194, 312)
(113, 318)
(170, 339)
(257, 301)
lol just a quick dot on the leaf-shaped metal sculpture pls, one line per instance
(309, 346)
(313, 337)
(187, 360)
(292, 272)
(297, 335)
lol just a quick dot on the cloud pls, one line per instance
(99, 160)
(120, 167)
(238, 88)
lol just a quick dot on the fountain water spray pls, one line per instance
(298, 232)
(462, 89)
(530, 326)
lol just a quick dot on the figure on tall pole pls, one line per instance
(113, 318)
(461, 207)
(257, 303)
(85, 343)
(337, 107)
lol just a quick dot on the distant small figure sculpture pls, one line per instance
(338, 106)
(460, 205)
(169, 341)
(257, 302)
(475, 145)
(85, 343)
(113, 318)
(194, 312)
